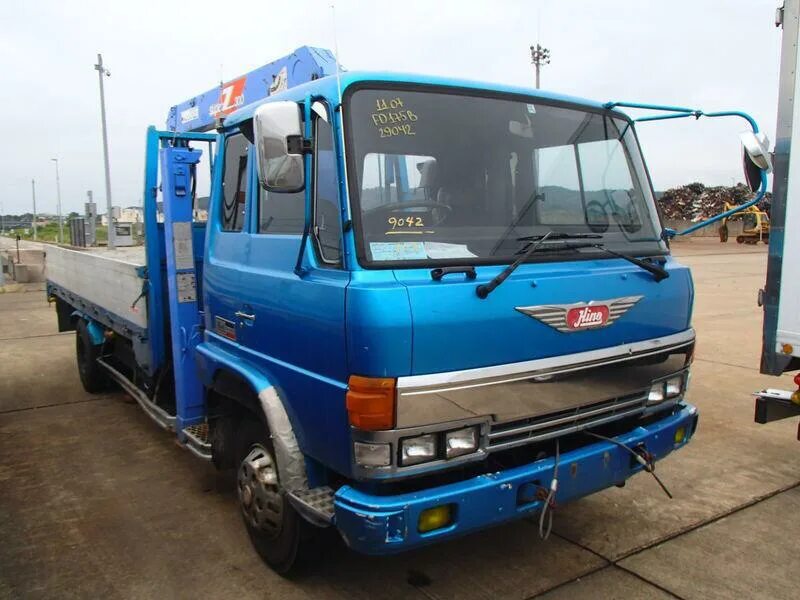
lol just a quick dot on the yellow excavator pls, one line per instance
(755, 225)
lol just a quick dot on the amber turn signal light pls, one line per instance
(435, 518)
(371, 402)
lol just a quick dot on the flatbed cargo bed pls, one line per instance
(109, 279)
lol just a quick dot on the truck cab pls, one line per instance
(352, 221)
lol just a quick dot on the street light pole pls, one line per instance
(540, 56)
(58, 206)
(33, 189)
(103, 72)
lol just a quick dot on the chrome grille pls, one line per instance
(535, 429)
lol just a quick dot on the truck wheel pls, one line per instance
(283, 539)
(93, 377)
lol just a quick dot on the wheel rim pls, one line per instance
(259, 493)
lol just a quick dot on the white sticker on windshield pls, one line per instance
(397, 251)
(531, 109)
(440, 250)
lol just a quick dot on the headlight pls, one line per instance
(418, 449)
(674, 386)
(656, 393)
(461, 441)
(666, 388)
(372, 455)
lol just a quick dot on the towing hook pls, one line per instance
(647, 459)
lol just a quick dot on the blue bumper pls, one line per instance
(375, 524)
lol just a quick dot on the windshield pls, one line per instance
(454, 177)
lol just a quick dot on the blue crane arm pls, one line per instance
(201, 112)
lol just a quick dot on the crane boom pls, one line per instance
(201, 112)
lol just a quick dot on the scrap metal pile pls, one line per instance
(695, 201)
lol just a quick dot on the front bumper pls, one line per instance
(375, 524)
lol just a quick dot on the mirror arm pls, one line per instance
(299, 145)
(678, 112)
(299, 269)
(699, 113)
(696, 114)
(735, 113)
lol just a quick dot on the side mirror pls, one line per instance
(756, 158)
(278, 137)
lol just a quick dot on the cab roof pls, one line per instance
(328, 88)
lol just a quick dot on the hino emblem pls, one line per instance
(568, 318)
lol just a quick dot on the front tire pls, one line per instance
(94, 377)
(283, 539)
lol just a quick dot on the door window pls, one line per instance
(327, 224)
(234, 183)
(281, 213)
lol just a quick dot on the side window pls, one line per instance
(604, 166)
(608, 184)
(280, 213)
(326, 195)
(559, 185)
(234, 183)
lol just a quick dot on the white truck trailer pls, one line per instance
(779, 298)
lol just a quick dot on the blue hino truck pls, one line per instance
(418, 306)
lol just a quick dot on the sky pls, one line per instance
(712, 55)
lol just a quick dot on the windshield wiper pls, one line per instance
(484, 289)
(657, 271)
(561, 236)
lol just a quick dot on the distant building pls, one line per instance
(130, 214)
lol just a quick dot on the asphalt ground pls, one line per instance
(96, 501)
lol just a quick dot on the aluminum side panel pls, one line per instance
(109, 279)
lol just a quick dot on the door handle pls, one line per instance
(245, 316)
(437, 274)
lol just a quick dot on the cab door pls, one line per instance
(228, 240)
(295, 322)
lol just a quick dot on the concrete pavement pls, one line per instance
(97, 501)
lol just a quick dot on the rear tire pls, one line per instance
(94, 377)
(283, 539)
